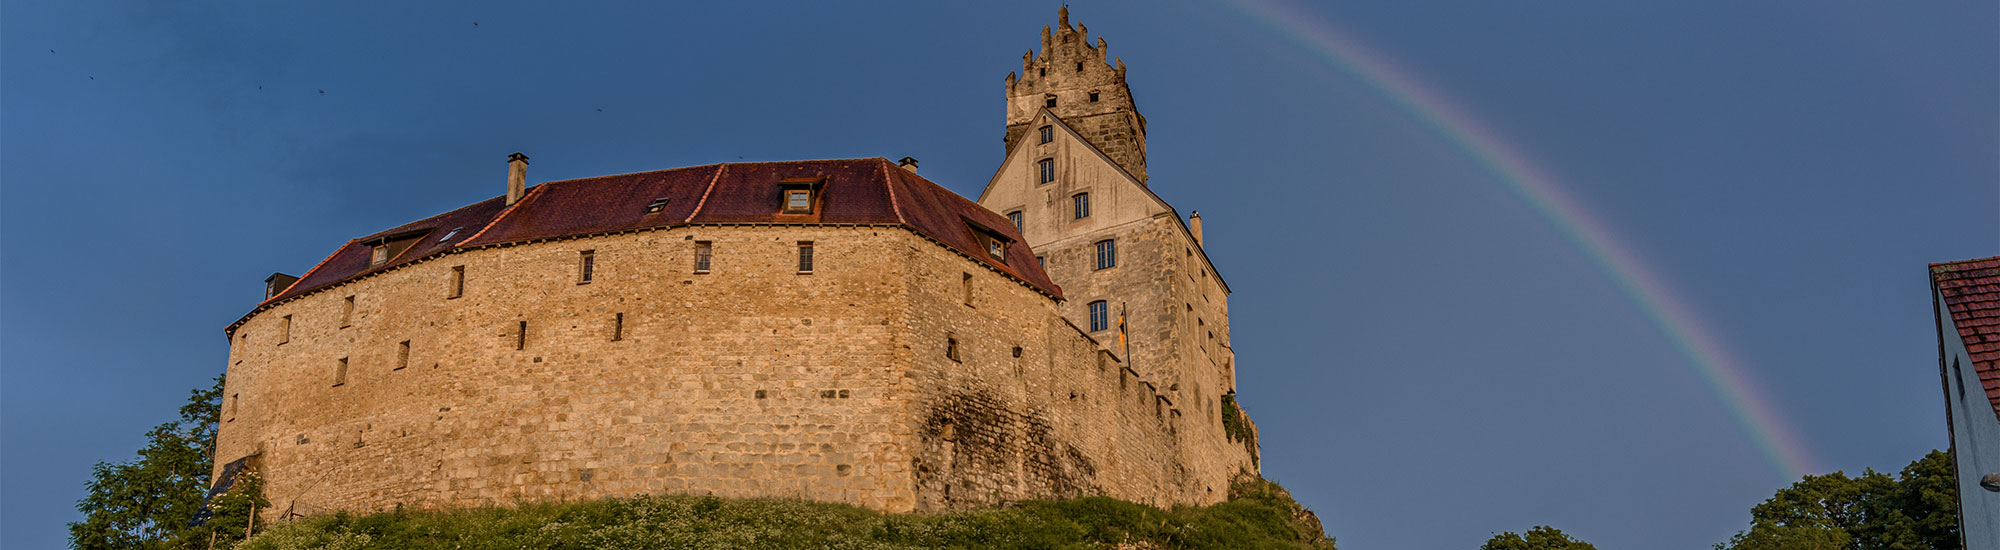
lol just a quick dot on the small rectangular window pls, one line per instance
(1047, 167)
(1100, 316)
(232, 406)
(1107, 254)
(805, 257)
(1041, 261)
(1048, 134)
(340, 372)
(1049, 100)
(702, 250)
(379, 255)
(457, 281)
(1080, 204)
(996, 248)
(967, 283)
(402, 355)
(798, 201)
(521, 337)
(617, 327)
(1093, 97)
(284, 329)
(1015, 217)
(951, 348)
(347, 312)
(586, 266)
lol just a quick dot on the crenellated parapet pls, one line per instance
(1079, 82)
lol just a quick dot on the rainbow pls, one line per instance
(1765, 428)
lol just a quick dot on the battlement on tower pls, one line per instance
(1072, 79)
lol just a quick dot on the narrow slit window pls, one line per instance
(457, 281)
(347, 312)
(340, 372)
(1047, 169)
(966, 282)
(1048, 134)
(1107, 254)
(1080, 205)
(1100, 316)
(617, 327)
(805, 257)
(284, 329)
(586, 266)
(232, 406)
(951, 348)
(521, 336)
(702, 252)
(402, 355)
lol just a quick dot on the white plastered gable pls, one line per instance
(1048, 209)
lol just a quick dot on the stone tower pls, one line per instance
(1134, 274)
(1072, 79)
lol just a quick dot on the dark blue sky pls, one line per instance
(1431, 361)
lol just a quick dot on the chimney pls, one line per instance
(908, 163)
(1194, 226)
(517, 177)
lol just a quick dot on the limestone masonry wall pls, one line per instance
(752, 379)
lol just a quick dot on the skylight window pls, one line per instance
(448, 234)
(657, 205)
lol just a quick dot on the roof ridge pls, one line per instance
(309, 272)
(719, 169)
(894, 205)
(537, 190)
(641, 172)
(804, 161)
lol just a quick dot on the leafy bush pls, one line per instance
(1259, 515)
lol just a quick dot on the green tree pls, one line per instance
(149, 501)
(1542, 537)
(1872, 511)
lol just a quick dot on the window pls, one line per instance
(967, 283)
(798, 201)
(617, 327)
(702, 250)
(402, 355)
(521, 336)
(457, 281)
(379, 255)
(1079, 67)
(347, 312)
(1015, 217)
(1047, 168)
(1049, 100)
(1081, 204)
(448, 234)
(232, 407)
(996, 248)
(657, 205)
(1107, 254)
(805, 257)
(284, 329)
(586, 266)
(340, 372)
(1041, 261)
(1100, 316)
(1093, 97)
(951, 348)
(1048, 134)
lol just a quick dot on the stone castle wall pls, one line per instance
(749, 380)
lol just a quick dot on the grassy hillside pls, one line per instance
(1259, 515)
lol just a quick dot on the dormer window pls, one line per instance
(387, 248)
(657, 205)
(379, 256)
(997, 249)
(800, 194)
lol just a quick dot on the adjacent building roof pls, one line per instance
(1971, 291)
(854, 191)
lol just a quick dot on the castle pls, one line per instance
(835, 330)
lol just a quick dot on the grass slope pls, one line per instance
(1259, 514)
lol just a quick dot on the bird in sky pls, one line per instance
(322, 92)
(475, 23)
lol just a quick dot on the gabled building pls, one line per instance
(1966, 297)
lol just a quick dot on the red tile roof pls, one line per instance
(1971, 290)
(856, 191)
